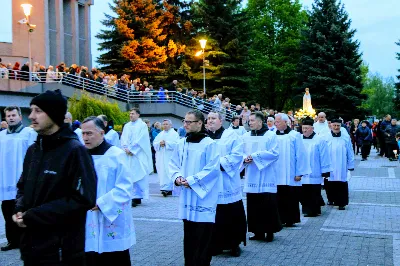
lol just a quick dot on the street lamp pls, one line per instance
(27, 11)
(203, 43)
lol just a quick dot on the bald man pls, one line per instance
(321, 124)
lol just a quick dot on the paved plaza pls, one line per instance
(366, 233)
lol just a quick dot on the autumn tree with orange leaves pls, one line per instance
(137, 39)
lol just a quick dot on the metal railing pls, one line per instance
(123, 92)
(40, 77)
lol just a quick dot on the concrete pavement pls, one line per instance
(366, 233)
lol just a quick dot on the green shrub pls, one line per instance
(89, 106)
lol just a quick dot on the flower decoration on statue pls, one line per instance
(307, 110)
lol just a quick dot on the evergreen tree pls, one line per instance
(275, 27)
(330, 63)
(111, 44)
(397, 87)
(220, 22)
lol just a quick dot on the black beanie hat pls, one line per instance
(53, 103)
(308, 121)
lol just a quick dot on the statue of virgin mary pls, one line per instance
(307, 101)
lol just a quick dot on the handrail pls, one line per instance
(122, 93)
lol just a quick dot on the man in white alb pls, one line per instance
(14, 142)
(135, 141)
(164, 145)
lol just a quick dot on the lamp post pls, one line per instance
(27, 11)
(203, 43)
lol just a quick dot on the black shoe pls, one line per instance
(137, 201)
(330, 203)
(133, 204)
(8, 247)
(363, 159)
(270, 237)
(169, 193)
(289, 225)
(235, 252)
(164, 193)
(257, 237)
(342, 208)
(216, 252)
(310, 215)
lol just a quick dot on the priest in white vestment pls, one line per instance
(109, 225)
(317, 152)
(195, 168)
(230, 227)
(77, 131)
(235, 126)
(321, 123)
(135, 141)
(342, 160)
(164, 144)
(14, 142)
(260, 158)
(292, 165)
(111, 136)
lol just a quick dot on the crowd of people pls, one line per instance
(69, 186)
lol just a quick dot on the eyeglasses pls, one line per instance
(189, 122)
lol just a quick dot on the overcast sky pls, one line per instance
(376, 22)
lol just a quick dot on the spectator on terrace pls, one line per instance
(173, 86)
(25, 71)
(51, 76)
(14, 73)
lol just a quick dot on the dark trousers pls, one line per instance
(120, 258)
(13, 232)
(75, 262)
(365, 150)
(337, 192)
(288, 204)
(390, 147)
(197, 238)
(383, 147)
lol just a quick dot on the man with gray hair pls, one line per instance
(292, 165)
(164, 145)
(321, 124)
(114, 192)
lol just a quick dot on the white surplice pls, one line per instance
(112, 138)
(291, 162)
(261, 174)
(342, 157)
(78, 132)
(163, 156)
(136, 139)
(198, 163)
(230, 148)
(319, 127)
(13, 148)
(318, 154)
(111, 228)
(240, 131)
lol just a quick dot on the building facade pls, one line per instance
(62, 33)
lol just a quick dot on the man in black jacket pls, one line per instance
(56, 189)
(390, 139)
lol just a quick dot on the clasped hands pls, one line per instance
(180, 181)
(162, 143)
(18, 219)
(128, 151)
(248, 159)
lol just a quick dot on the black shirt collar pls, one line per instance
(261, 131)
(217, 134)
(101, 149)
(310, 137)
(15, 129)
(195, 137)
(338, 135)
(286, 131)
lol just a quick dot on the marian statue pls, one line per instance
(307, 101)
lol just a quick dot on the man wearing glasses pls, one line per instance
(194, 167)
